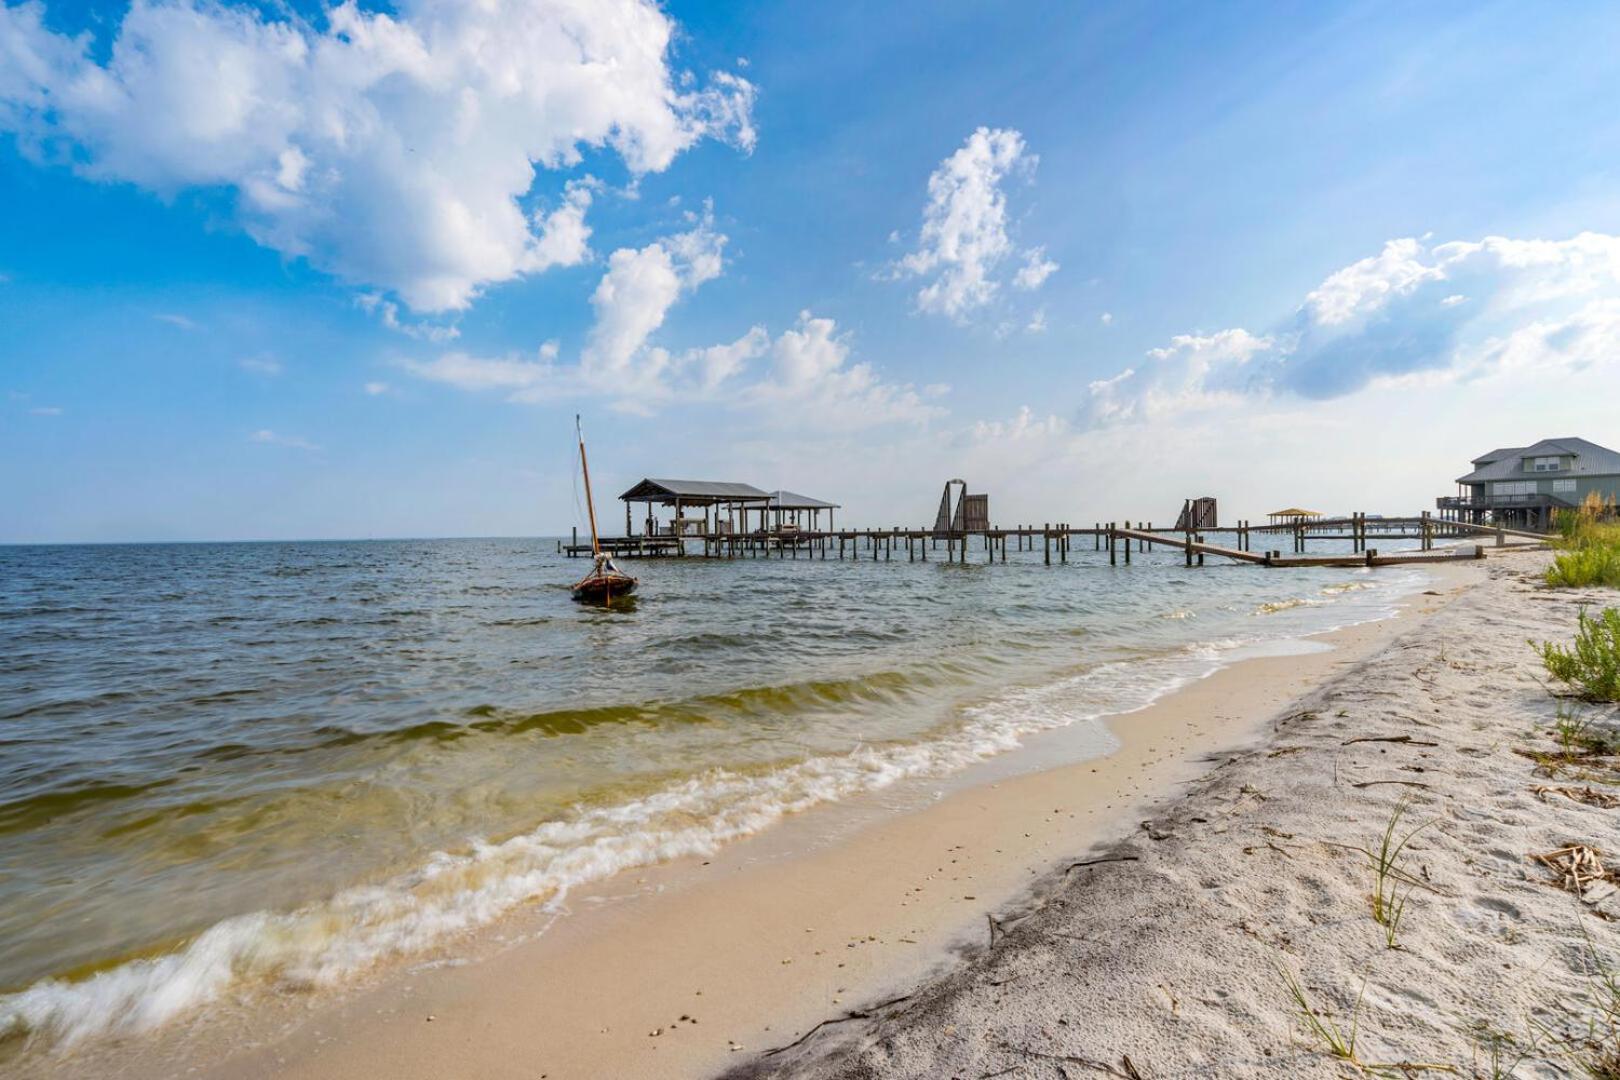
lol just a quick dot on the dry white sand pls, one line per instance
(1169, 955)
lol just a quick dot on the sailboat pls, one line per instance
(605, 581)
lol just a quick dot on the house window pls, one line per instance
(1513, 487)
(1546, 464)
(1563, 487)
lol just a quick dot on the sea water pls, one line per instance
(235, 768)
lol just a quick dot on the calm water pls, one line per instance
(232, 765)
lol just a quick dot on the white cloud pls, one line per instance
(176, 320)
(1025, 426)
(634, 297)
(812, 384)
(271, 438)
(468, 372)
(261, 365)
(387, 311)
(964, 237)
(1037, 322)
(1036, 269)
(1106, 318)
(377, 388)
(46, 410)
(389, 149)
(1397, 317)
(1174, 378)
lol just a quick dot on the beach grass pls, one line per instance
(1588, 547)
(1591, 664)
(1388, 902)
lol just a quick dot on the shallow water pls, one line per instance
(224, 766)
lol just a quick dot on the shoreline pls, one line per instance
(770, 935)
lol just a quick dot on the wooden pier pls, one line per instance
(1058, 540)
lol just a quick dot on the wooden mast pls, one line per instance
(590, 506)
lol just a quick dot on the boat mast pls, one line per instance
(590, 506)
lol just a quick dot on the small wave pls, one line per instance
(1275, 606)
(1180, 613)
(324, 943)
(1344, 587)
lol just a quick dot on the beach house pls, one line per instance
(1523, 486)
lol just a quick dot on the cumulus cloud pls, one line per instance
(1415, 311)
(392, 149)
(813, 382)
(964, 239)
(634, 297)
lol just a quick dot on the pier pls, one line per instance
(1056, 541)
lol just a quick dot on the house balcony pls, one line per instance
(1502, 502)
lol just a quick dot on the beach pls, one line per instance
(700, 964)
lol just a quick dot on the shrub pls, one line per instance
(1589, 547)
(1592, 665)
(1585, 567)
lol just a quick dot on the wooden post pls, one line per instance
(1113, 558)
(1127, 546)
(1046, 542)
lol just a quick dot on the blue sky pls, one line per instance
(351, 272)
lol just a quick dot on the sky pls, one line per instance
(293, 271)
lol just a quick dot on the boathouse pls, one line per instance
(1524, 486)
(724, 506)
(794, 511)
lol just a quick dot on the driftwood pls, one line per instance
(853, 1014)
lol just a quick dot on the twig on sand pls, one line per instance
(853, 1014)
(1405, 783)
(1390, 739)
(1108, 859)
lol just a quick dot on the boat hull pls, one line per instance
(603, 588)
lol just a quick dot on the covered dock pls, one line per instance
(714, 497)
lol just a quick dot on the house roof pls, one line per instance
(1293, 511)
(1590, 459)
(787, 500)
(693, 491)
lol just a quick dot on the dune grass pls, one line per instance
(1588, 547)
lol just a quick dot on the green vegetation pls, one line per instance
(1388, 903)
(1588, 547)
(1592, 665)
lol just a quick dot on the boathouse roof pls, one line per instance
(1294, 511)
(788, 500)
(1585, 459)
(695, 492)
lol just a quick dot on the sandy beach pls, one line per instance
(1163, 954)
(1228, 794)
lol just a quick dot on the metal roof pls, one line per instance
(1293, 511)
(1590, 459)
(787, 500)
(710, 491)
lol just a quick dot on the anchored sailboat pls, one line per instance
(605, 581)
